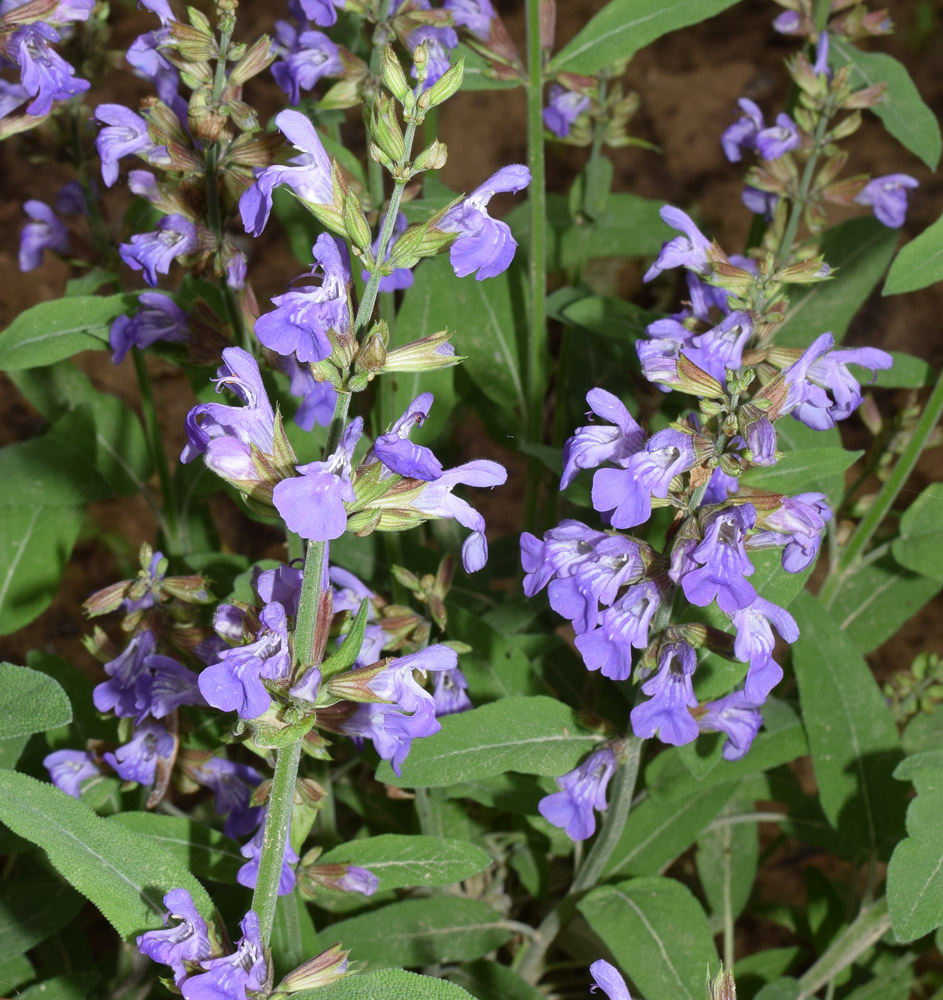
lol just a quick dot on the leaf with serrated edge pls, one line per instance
(122, 873)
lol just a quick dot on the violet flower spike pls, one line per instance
(309, 175)
(559, 554)
(622, 627)
(399, 454)
(723, 562)
(228, 978)
(562, 110)
(721, 348)
(153, 253)
(887, 196)
(736, 716)
(312, 504)
(606, 978)
(742, 134)
(754, 644)
(582, 790)
(44, 232)
(158, 318)
(473, 15)
(137, 759)
(125, 134)
(45, 75)
(437, 500)
(69, 768)
(688, 250)
(592, 445)
(778, 139)
(312, 56)
(484, 245)
(666, 712)
(187, 941)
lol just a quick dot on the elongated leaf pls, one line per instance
(785, 988)
(387, 984)
(399, 861)
(915, 872)
(14, 971)
(851, 731)
(875, 600)
(532, 735)
(660, 829)
(658, 934)
(488, 980)
(47, 472)
(476, 75)
(920, 545)
(199, 849)
(420, 931)
(907, 372)
(74, 986)
(727, 861)
(35, 543)
(798, 469)
(124, 874)
(903, 111)
(51, 331)
(294, 939)
(861, 249)
(33, 909)
(623, 27)
(630, 226)
(919, 263)
(30, 702)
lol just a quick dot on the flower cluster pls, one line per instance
(627, 602)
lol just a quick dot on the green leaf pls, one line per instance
(919, 263)
(488, 980)
(797, 469)
(399, 861)
(658, 934)
(294, 939)
(727, 857)
(861, 249)
(35, 543)
(387, 984)
(794, 436)
(346, 654)
(476, 76)
(200, 849)
(33, 909)
(47, 472)
(920, 545)
(623, 27)
(630, 226)
(903, 111)
(30, 702)
(785, 988)
(536, 735)
(421, 931)
(915, 872)
(852, 734)
(51, 331)
(15, 971)
(876, 599)
(907, 372)
(124, 874)
(659, 830)
(74, 986)
(86, 722)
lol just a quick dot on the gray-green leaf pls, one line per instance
(919, 263)
(920, 544)
(31, 910)
(387, 984)
(30, 702)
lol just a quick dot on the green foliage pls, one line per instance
(798, 471)
(919, 547)
(50, 331)
(294, 939)
(30, 702)
(31, 910)
(387, 984)
(399, 861)
(123, 873)
(727, 857)
(919, 263)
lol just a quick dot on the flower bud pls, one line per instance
(722, 986)
(394, 79)
(372, 356)
(322, 970)
(447, 84)
(258, 57)
(355, 222)
(424, 355)
(695, 381)
(431, 158)
(866, 98)
(385, 128)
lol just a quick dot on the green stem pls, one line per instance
(529, 961)
(277, 825)
(821, 10)
(852, 552)
(159, 455)
(536, 333)
(798, 206)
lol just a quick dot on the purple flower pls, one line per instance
(248, 874)
(187, 941)
(790, 22)
(888, 197)
(301, 322)
(798, 524)
(234, 683)
(119, 694)
(666, 712)
(628, 492)
(228, 978)
(12, 95)
(473, 15)
(321, 12)
(137, 760)
(754, 645)
(759, 202)
(232, 785)
(688, 250)
(617, 562)
(721, 348)
(608, 980)
(153, 253)
(560, 553)
(163, 687)
(562, 110)
(773, 142)
(226, 435)
(125, 133)
(317, 398)
(820, 66)
(582, 790)
(312, 504)
(439, 44)
(484, 244)
(761, 440)
(308, 175)
(343, 878)
(158, 318)
(450, 692)
(723, 561)
(720, 487)
(392, 732)
(311, 56)
(590, 446)
(43, 72)
(742, 134)
(402, 277)
(282, 584)
(45, 232)
(625, 625)
(396, 683)
(69, 768)
(436, 500)
(736, 716)
(399, 454)
(70, 199)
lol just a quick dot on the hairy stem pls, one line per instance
(798, 206)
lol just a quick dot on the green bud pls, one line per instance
(447, 84)
(424, 355)
(394, 79)
(355, 222)
(255, 59)
(322, 970)
(385, 128)
(431, 158)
